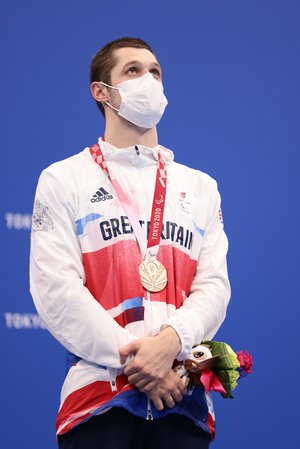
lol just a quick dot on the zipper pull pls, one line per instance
(137, 150)
(113, 381)
(113, 385)
(149, 411)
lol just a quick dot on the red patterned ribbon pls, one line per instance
(158, 204)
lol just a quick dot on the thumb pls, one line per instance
(130, 348)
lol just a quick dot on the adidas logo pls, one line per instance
(101, 195)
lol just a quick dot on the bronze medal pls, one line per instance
(153, 275)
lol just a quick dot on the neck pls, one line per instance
(124, 135)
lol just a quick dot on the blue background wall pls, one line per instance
(231, 74)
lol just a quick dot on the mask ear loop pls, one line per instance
(108, 85)
(111, 106)
(112, 87)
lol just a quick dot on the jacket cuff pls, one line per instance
(185, 335)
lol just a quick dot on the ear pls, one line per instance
(99, 92)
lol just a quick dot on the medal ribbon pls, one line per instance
(158, 204)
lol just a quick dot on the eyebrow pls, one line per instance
(139, 63)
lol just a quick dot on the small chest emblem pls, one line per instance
(184, 204)
(101, 195)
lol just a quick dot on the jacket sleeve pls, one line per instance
(204, 310)
(57, 278)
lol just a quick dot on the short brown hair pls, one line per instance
(104, 61)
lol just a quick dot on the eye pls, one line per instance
(156, 73)
(198, 354)
(132, 70)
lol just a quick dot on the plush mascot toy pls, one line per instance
(215, 366)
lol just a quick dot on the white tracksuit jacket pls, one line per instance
(85, 281)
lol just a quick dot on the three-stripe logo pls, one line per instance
(101, 195)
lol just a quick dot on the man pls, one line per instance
(128, 269)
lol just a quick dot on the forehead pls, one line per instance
(125, 55)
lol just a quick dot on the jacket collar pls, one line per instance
(136, 154)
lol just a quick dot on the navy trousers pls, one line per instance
(118, 429)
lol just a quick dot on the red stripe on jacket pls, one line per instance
(111, 280)
(87, 399)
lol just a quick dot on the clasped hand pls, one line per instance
(150, 370)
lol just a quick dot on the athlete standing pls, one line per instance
(128, 269)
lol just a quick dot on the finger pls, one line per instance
(126, 350)
(138, 371)
(158, 403)
(140, 384)
(182, 388)
(149, 387)
(169, 401)
(134, 371)
(130, 371)
(176, 395)
(136, 375)
(180, 383)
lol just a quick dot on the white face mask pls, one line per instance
(142, 100)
